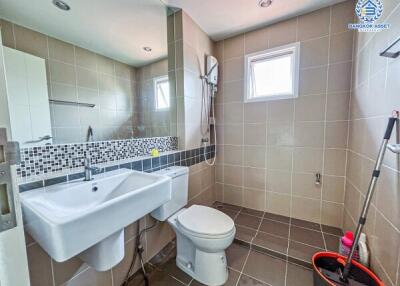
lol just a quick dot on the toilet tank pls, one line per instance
(179, 192)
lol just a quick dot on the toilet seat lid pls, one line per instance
(205, 220)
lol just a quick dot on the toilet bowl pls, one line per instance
(202, 233)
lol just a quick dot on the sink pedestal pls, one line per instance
(105, 254)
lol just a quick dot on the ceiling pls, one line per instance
(224, 18)
(118, 29)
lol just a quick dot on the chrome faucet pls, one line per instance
(89, 170)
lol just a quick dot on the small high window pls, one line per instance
(161, 92)
(272, 74)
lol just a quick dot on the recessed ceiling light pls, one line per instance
(61, 5)
(265, 3)
(147, 49)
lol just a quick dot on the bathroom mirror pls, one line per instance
(80, 71)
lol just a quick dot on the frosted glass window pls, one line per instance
(272, 74)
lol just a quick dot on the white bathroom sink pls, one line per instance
(69, 218)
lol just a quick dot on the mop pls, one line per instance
(350, 272)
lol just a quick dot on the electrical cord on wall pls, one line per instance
(138, 251)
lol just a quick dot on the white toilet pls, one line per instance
(202, 233)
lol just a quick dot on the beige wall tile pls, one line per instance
(233, 155)
(304, 186)
(279, 182)
(314, 25)
(255, 134)
(306, 209)
(309, 134)
(85, 58)
(278, 204)
(330, 214)
(281, 110)
(63, 92)
(256, 41)
(342, 15)
(61, 51)
(308, 160)
(310, 108)
(255, 112)
(234, 47)
(339, 77)
(105, 65)
(233, 134)
(313, 81)
(233, 91)
(335, 162)
(254, 178)
(341, 47)
(337, 106)
(7, 34)
(86, 78)
(333, 189)
(282, 33)
(233, 195)
(336, 134)
(314, 52)
(387, 240)
(254, 199)
(234, 69)
(31, 42)
(254, 156)
(233, 175)
(233, 113)
(280, 133)
(279, 158)
(62, 73)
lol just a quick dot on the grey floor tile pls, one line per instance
(265, 268)
(277, 217)
(275, 228)
(307, 236)
(332, 242)
(232, 279)
(332, 230)
(232, 207)
(248, 221)
(301, 251)
(305, 224)
(245, 234)
(173, 270)
(248, 281)
(298, 276)
(236, 255)
(252, 212)
(271, 242)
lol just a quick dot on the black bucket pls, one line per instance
(330, 262)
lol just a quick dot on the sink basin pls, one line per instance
(88, 218)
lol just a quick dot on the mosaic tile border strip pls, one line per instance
(44, 160)
(149, 164)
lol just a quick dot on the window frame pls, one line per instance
(277, 52)
(156, 82)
